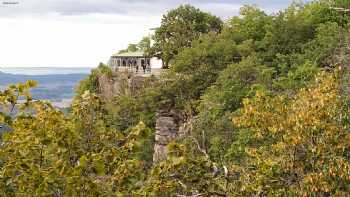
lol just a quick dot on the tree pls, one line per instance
(214, 128)
(335, 11)
(144, 45)
(298, 145)
(250, 25)
(91, 83)
(50, 154)
(195, 69)
(287, 33)
(179, 28)
(255, 117)
(130, 48)
(186, 172)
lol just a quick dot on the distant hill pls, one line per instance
(51, 87)
(6, 78)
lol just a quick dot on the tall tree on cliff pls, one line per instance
(179, 27)
(144, 45)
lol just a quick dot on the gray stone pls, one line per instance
(167, 127)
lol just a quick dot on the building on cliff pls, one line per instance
(134, 61)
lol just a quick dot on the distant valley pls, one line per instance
(58, 88)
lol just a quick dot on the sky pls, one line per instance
(82, 33)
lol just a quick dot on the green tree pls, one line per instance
(298, 145)
(332, 11)
(49, 154)
(144, 45)
(195, 69)
(214, 128)
(250, 25)
(179, 28)
(130, 48)
(91, 83)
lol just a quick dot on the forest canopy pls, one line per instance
(262, 99)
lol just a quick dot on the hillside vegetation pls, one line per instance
(263, 100)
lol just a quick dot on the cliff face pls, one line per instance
(167, 127)
(168, 122)
(107, 87)
(121, 83)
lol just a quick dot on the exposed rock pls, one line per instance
(108, 87)
(167, 130)
(121, 83)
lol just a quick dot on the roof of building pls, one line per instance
(130, 54)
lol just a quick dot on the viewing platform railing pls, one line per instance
(140, 72)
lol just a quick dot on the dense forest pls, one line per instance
(263, 101)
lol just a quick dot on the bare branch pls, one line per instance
(199, 147)
(195, 195)
(340, 9)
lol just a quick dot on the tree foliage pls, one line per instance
(263, 103)
(179, 27)
(299, 145)
(144, 45)
(48, 154)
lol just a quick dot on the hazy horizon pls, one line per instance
(31, 71)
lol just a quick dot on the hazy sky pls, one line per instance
(82, 33)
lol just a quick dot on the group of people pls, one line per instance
(145, 67)
(144, 64)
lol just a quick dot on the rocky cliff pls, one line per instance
(167, 130)
(168, 122)
(110, 86)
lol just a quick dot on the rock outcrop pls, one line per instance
(167, 130)
(109, 87)
(121, 83)
(168, 123)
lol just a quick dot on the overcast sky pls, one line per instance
(82, 33)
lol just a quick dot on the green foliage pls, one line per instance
(179, 28)
(297, 78)
(144, 45)
(91, 83)
(328, 38)
(332, 11)
(48, 154)
(289, 135)
(298, 145)
(127, 110)
(233, 84)
(250, 25)
(208, 56)
(10, 96)
(276, 54)
(185, 172)
(288, 32)
(237, 81)
(131, 48)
